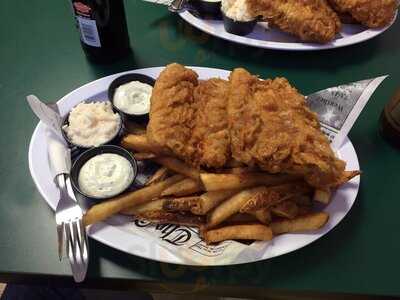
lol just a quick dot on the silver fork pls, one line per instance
(70, 229)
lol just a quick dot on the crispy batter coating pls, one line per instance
(310, 20)
(173, 111)
(264, 123)
(371, 13)
(188, 117)
(211, 134)
(272, 127)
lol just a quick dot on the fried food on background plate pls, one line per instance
(310, 20)
(371, 13)
(272, 127)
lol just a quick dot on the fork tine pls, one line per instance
(76, 237)
(80, 237)
(71, 251)
(83, 229)
(60, 238)
(78, 254)
(67, 238)
(84, 242)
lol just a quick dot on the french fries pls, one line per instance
(238, 203)
(158, 176)
(304, 210)
(274, 195)
(347, 176)
(133, 128)
(184, 187)
(153, 205)
(209, 200)
(238, 170)
(264, 198)
(102, 211)
(178, 166)
(180, 204)
(312, 221)
(144, 155)
(162, 216)
(231, 206)
(263, 215)
(238, 219)
(322, 195)
(287, 209)
(215, 182)
(157, 211)
(240, 232)
(137, 143)
(303, 200)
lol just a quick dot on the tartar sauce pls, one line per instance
(133, 97)
(105, 175)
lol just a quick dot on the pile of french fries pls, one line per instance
(239, 203)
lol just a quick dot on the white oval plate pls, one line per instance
(262, 37)
(114, 232)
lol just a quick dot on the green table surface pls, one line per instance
(40, 54)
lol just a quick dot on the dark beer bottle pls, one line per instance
(103, 29)
(390, 120)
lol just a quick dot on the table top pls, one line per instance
(40, 54)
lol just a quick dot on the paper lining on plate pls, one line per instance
(339, 107)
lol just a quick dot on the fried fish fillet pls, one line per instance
(310, 20)
(173, 112)
(264, 123)
(371, 13)
(188, 117)
(210, 136)
(272, 127)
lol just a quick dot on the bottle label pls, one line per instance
(89, 33)
(87, 25)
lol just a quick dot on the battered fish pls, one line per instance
(371, 13)
(173, 112)
(264, 123)
(310, 20)
(211, 134)
(188, 117)
(272, 127)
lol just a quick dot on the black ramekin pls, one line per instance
(205, 7)
(77, 149)
(88, 154)
(140, 118)
(238, 27)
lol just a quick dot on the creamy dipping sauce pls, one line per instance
(105, 175)
(133, 98)
(92, 124)
(237, 10)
